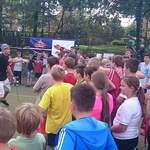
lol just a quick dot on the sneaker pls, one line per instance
(4, 102)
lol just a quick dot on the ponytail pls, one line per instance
(105, 113)
(141, 96)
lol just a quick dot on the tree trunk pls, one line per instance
(35, 23)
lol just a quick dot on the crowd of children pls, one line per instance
(105, 98)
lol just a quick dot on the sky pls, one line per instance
(126, 21)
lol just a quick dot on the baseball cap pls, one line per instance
(4, 46)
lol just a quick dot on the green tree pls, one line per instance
(130, 31)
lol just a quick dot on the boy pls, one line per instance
(69, 64)
(30, 70)
(18, 68)
(56, 101)
(85, 132)
(43, 83)
(144, 67)
(7, 128)
(28, 119)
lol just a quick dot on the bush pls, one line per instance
(118, 42)
(125, 40)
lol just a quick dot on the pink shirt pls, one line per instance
(96, 112)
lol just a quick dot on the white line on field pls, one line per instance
(22, 95)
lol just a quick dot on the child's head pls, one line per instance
(88, 72)
(79, 71)
(147, 58)
(81, 61)
(83, 96)
(94, 62)
(52, 60)
(57, 73)
(28, 118)
(30, 55)
(100, 80)
(18, 53)
(128, 52)
(69, 63)
(79, 53)
(89, 55)
(131, 66)
(106, 63)
(73, 49)
(118, 61)
(45, 55)
(7, 125)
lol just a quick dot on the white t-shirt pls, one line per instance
(18, 65)
(145, 69)
(129, 113)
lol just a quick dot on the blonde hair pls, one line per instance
(28, 118)
(58, 73)
(104, 62)
(7, 125)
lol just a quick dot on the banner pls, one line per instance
(40, 45)
(50, 45)
(58, 45)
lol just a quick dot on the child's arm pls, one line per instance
(140, 75)
(64, 141)
(111, 86)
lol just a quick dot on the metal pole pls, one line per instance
(80, 23)
(23, 27)
(139, 18)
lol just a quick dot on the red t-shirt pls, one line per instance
(38, 67)
(69, 78)
(115, 79)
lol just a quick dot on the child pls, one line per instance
(81, 61)
(43, 83)
(44, 62)
(7, 128)
(105, 63)
(104, 101)
(79, 74)
(18, 68)
(128, 116)
(69, 64)
(30, 71)
(88, 72)
(28, 119)
(144, 67)
(85, 132)
(38, 67)
(56, 101)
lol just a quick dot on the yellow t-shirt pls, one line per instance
(57, 101)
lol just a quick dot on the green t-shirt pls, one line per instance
(36, 143)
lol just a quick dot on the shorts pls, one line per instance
(30, 74)
(51, 139)
(41, 128)
(37, 75)
(4, 86)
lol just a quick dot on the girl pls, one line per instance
(127, 119)
(104, 101)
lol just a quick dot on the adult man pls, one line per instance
(4, 69)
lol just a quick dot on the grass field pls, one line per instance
(24, 94)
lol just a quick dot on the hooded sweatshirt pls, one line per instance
(85, 134)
